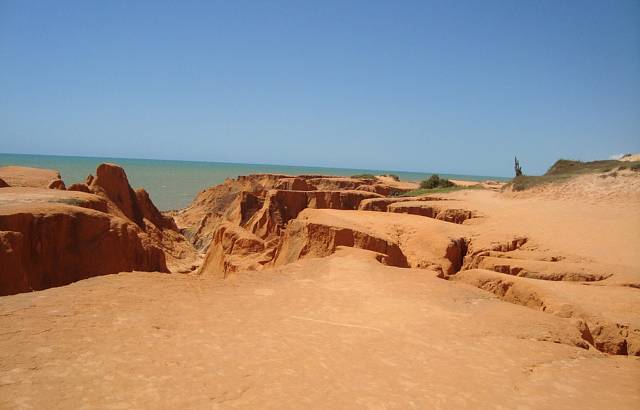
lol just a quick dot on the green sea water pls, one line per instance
(173, 184)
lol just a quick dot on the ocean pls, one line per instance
(173, 184)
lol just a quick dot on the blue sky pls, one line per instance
(446, 86)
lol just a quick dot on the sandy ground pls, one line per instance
(17, 176)
(621, 187)
(630, 158)
(338, 332)
(343, 331)
(578, 227)
(398, 184)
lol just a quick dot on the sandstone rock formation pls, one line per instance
(111, 182)
(79, 188)
(610, 327)
(443, 210)
(17, 176)
(151, 213)
(274, 225)
(262, 206)
(56, 184)
(51, 237)
(234, 249)
(277, 210)
(3, 184)
(403, 240)
(280, 207)
(55, 244)
(238, 200)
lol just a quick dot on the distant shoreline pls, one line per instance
(172, 184)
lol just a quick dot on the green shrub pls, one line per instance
(434, 181)
(364, 176)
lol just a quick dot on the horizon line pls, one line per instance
(250, 163)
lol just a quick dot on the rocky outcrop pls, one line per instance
(304, 239)
(380, 204)
(442, 211)
(609, 327)
(243, 207)
(263, 205)
(534, 269)
(239, 200)
(17, 199)
(234, 200)
(53, 237)
(406, 241)
(42, 246)
(455, 215)
(282, 206)
(17, 176)
(430, 207)
(382, 189)
(3, 184)
(56, 184)
(234, 249)
(327, 183)
(294, 184)
(151, 213)
(79, 188)
(111, 182)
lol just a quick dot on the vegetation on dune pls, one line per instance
(565, 169)
(565, 166)
(69, 201)
(371, 176)
(434, 181)
(364, 176)
(434, 184)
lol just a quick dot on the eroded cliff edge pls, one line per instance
(51, 236)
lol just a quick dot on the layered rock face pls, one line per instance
(280, 207)
(237, 200)
(261, 207)
(283, 219)
(402, 240)
(51, 237)
(234, 249)
(56, 245)
(111, 182)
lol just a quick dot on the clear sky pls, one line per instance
(445, 86)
